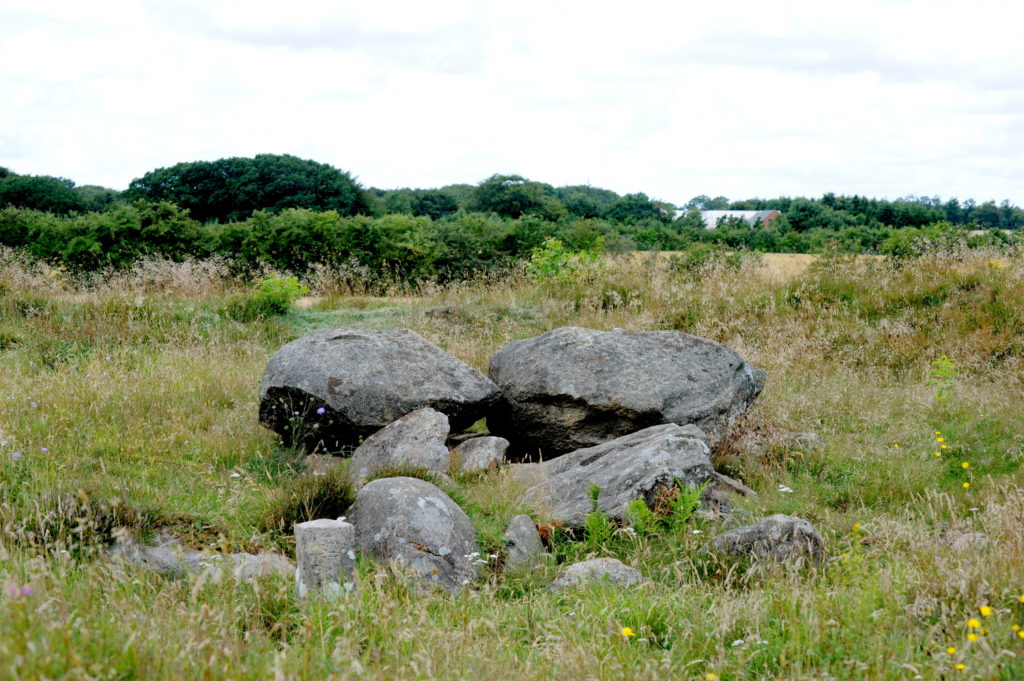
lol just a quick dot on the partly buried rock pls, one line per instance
(416, 440)
(642, 465)
(333, 386)
(575, 387)
(325, 557)
(415, 524)
(479, 454)
(607, 571)
(777, 538)
(523, 546)
(168, 556)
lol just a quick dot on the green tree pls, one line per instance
(52, 194)
(233, 188)
(512, 196)
(633, 208)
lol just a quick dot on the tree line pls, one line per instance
(291, 213)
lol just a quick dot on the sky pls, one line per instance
(673, 99)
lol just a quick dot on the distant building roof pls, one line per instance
(752, 217)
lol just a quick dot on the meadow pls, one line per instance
(130, 399)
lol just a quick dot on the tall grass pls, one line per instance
(131, 400)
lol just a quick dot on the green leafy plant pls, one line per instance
(277, 293)
(641, 517)
(943, 378)
(597, 527)
(683, 503)
(553, 262)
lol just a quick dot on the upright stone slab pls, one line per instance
(334, 386)
(523, 546)
(325, 551)
(479, 454)
(573, 387)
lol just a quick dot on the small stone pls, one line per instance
(479, 454)
(325, 550)
(782, 538)
(523, 546)
(607, 571)
(417, 440)
(320, 464)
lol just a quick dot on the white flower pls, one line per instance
(236, 475)
(783, 488)
(698, 531)
(738, 642)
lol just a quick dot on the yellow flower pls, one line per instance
(1021, 598)
(961, 666)
(938, 453)
(856, 527)
(940, 439)
(711, 676)
(985, 611)
(951, 650)
(1021, 633)
(896, 446)
(966, 485)
(1015, 627)
(965, 465)
(973, 624)
(938, 432)
(942, 447)
(972, 637)
(628, 631)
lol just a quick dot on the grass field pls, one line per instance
(132, 401)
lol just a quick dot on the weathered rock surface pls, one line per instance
(326, 558)
(641, 465)
(573, 387)
(333, 386)
(523, 546)
(757, 443)
(777, 537)
(168, 556)
(479, 454)
(415, 524)
(416, 440)
(607, 571)
(320, 464)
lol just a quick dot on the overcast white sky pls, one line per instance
(674, 99)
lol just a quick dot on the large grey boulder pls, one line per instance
(575, 387)
(523, 546)
(780, 538)
(416, 440)
(326, 558)
(334, 386)
(604, 571)
(415, 524)
(479, 454)
(641, 465)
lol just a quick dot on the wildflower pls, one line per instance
(16, 455)
(896, 446)
(973, 624)
(938, 432)
(236, 475)
(961, 666)
(784, 488)
(938, 453)
(972, 636)
(940, 439)
(1021, 598)
(627, 632)
(942, 447)
(698, 532)
(321, 411)
(856, 527)
(711, 676)
(738, 642)
(34, 405)
(1020, 633)
(1015, 627)
(951, 650)
(965, 465)
(107, 358)
(43, 449)
(966, 485)
(27, 591)
(985, 611)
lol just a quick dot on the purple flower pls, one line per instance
(107, 358)
(321, 411)
(16, 455)
(295, 413)
(13, 591)
(27, 591)
(34, 405)
(43, 449)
